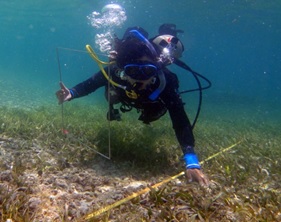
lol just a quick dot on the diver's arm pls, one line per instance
(174, 104)
(183, 130)
(185, 137)
(88, 86)
(82, 89)
(181, 124)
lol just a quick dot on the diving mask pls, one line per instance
(140, 72)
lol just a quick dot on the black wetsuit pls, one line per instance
(169, 99)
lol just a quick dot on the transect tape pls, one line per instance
(147, 189)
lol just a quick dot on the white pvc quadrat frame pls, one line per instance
(62, 105)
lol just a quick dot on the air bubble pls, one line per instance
(111, 16)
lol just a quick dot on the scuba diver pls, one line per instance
(138, 77)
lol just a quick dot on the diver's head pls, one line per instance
(132, 50)
(139, 62)
(168, 47)
(135, 57)
(141, 74)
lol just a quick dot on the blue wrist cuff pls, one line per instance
(71, 93)
(191, 161)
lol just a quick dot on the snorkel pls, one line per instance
(154, 95)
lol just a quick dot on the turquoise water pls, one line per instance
(236, 44)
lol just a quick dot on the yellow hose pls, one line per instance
(100, 64)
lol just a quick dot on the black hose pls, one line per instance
(200, 88)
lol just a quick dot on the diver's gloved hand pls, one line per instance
(193, 169)
(63, 94)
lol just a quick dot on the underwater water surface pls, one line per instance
(235, 44)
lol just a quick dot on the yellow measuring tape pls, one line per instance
(147, 189)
